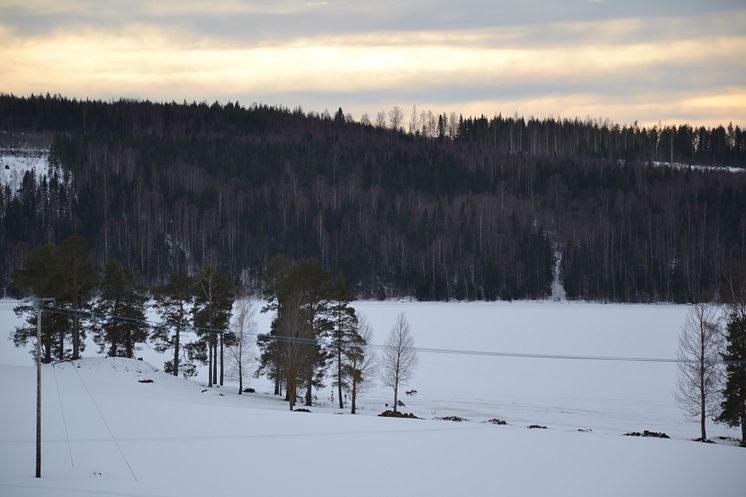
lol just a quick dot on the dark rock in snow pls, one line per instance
(540, 427)
(397, 414)
(248, 390)
(646, 433)
(301, 409)
(145, 381)
(496, 421)
(457, 419)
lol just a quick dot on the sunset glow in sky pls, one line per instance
(645, 61)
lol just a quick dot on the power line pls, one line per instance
(426, 350)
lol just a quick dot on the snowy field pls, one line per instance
(107, 434)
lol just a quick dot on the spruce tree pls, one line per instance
(121, 311)
(733, 406)
(174, 303)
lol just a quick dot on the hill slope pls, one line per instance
(161, 186)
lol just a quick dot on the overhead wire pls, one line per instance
(426, 350)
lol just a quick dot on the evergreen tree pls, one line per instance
(40, 276)
(343, 333)
(62, 272)
(174, 302)
(121, 312)
(270, 363)
(212, 310)
(310, 282)
(733, 406)
(78, 279)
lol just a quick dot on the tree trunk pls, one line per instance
(309, 386)
(220, 337)
(176, 351)
(702, 428)
(76, 336)
(396, 396)
(339, 375)
(277, 382)
(240, 377)
(214, 360)
(743, 428)
(353, 395)
(62, 346)
(209, 362)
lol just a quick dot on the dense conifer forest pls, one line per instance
(451, 208)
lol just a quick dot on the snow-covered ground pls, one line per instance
(697, 167)
(107, 434)
(15, 162)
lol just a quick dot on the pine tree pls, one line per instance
(308, 280)
(78, 278)
(733, 406)
(174, 302)
(62, 272)
(122, 312)
(343, 333)
(212, 310)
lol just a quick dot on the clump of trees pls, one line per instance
(111, 305)
(63, 272)
(315, 327)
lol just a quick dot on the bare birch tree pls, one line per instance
(239, 352)
(396, 116)
(700, 346)
(399, 357)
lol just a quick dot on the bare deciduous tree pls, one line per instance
(239, 352)
(381, 120)
(700, 345)
(396, 116)
(399, 357)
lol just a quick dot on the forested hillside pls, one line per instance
(456, 208)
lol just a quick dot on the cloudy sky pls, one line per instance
(627, 60)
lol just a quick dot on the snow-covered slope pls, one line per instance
(15, 162)
(106, 433)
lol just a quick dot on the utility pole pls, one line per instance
(39, 305)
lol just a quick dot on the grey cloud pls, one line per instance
(279, 20)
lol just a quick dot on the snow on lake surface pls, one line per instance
(107, 434)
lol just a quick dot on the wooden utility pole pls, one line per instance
(38, 389)
(39, 306)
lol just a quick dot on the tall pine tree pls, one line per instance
(343, 332)
(174, 302)
(212, 311)
(122, 312)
